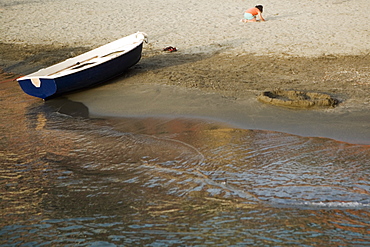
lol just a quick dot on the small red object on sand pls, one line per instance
(170, 49)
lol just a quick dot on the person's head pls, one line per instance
(260, 7)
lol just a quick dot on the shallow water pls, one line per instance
(67, 179)
(145, 99)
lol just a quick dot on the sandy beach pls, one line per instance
(310, 45)
(305, 28)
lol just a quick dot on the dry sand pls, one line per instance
(302, 28)
(320, 46)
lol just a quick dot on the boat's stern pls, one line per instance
(38, 87)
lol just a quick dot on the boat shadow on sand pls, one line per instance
(58, 105)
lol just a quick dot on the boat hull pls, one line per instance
(46, 88)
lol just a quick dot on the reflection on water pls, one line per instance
(70, 180)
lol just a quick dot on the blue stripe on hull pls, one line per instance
(83, 79)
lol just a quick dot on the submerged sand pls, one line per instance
(221, 65)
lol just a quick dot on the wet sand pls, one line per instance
(225, 89)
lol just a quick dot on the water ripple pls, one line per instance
(147, 182)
